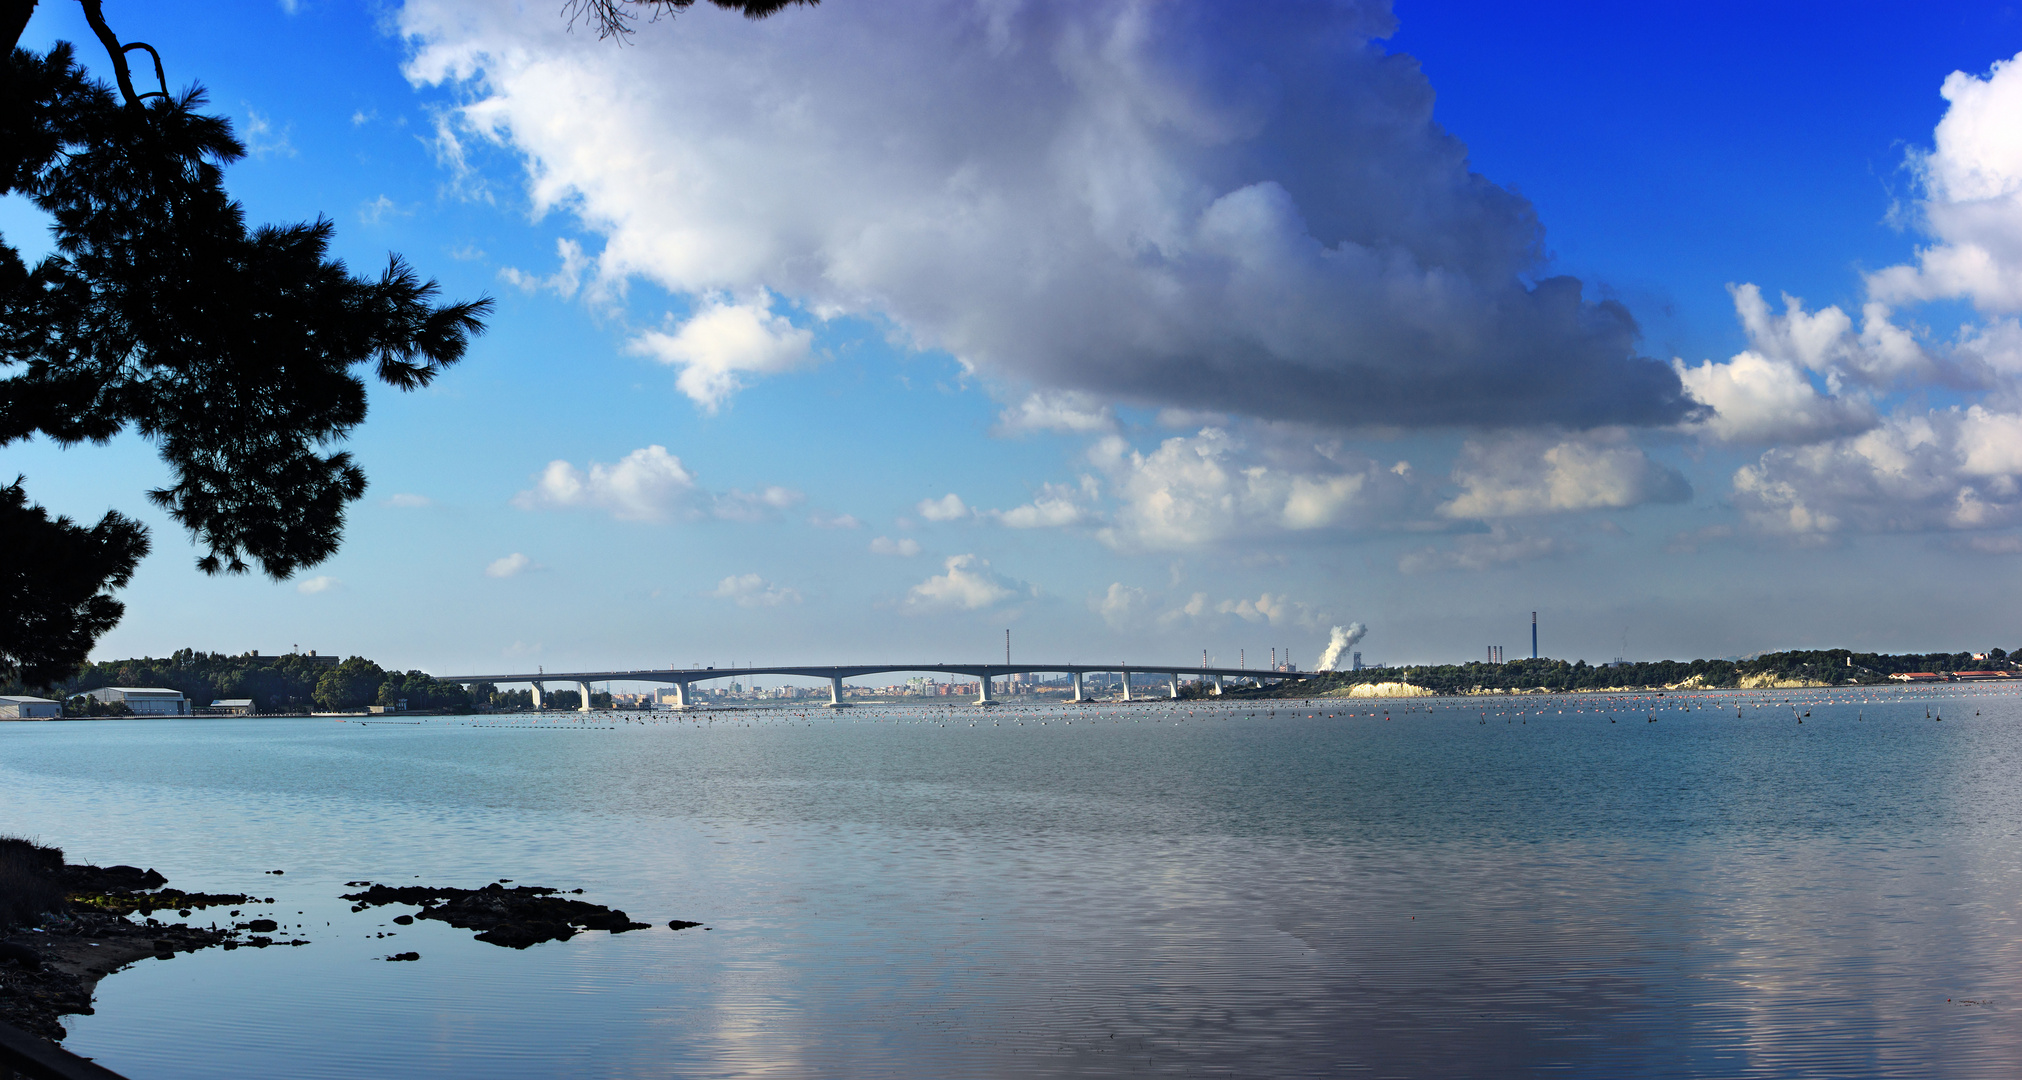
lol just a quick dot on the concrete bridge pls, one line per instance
(682, 678)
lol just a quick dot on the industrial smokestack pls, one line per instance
(1340, 641)
(1534, 635)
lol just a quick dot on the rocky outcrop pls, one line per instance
(512, 918)
(52, 957)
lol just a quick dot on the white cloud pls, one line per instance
(1209, 487)
(263, 138)
(948, 507)
(648, 485)
(1500, 546)
(567, 278)
(1972, 204)
(906, 547)
(822, 519)
(723, 341)
(1942, 469)
(967, 585)
(512, 565)
(1064, 411)
(1525, 474)
(1995, 545)
(1056, 506)
(322, 583)
(1759, 400)
(1825, 341)
(735, 505)
(379, 210)
(1176, 204)
(1122, 606)
(752, 591)
(407, 501)
(1271, 610)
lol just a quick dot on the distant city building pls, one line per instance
(29, 708)
(143, 700)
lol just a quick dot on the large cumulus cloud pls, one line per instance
(1972, 199)
(1846, 465)
(1186, 203)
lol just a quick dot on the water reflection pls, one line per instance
(1151, 889)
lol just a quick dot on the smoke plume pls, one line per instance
(1339, 643)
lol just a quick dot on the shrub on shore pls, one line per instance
(31, 881)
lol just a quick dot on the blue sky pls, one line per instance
(1126, 280)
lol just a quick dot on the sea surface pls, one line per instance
(1787, 883)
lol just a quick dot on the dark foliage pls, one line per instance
(1825, 666)
(53, 577)
(350, 685)
(616, 18)
(231, 348)
(31, 881)
(290, 683)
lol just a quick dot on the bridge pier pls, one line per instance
(835, 700)
(681, 695)
(983, 691)
(1173, 681)
(1077, 687)
(1218, 686)
(1126, 686)
(537, 696)
(584, 689)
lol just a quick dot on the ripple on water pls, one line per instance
(1149, 889)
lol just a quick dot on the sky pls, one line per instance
(1141, 329)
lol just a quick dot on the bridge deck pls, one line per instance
(671, 676)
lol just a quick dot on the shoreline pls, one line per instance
(52, 960)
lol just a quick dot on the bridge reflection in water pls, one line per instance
(682, 678)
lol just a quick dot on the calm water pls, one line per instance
(1149, 890)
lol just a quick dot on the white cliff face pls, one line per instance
(1382, 689)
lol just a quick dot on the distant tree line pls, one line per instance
(1828, 666)
(290, 683)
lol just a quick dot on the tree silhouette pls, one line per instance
(231, 348)
(615, 18)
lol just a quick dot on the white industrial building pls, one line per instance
(29, 708)
(143, 700)
(233, 706)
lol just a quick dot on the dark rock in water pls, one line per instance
(259, 942)
(510, 918)
(404, 920)
(263, 926)
(405, 956)
(681, 924)
(100, 879)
